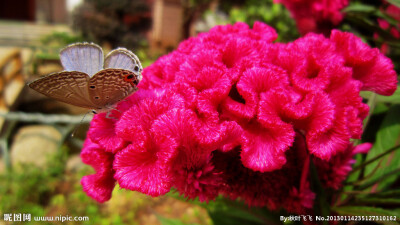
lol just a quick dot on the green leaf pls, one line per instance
(372, 213)
(385, 178)
(391, 193)
(223, 211)
(359, 166)
(381, 201)
(394, 2)
(359, 8)
(386, 138)
(380, 108)
(395, 98)
(168, 221)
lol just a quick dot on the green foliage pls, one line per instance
(58, 39)
(36, 191)
(30, 187)
(168, 221)
(382, 169)
(145, 58)
(387, 137)
(393, 99)
(265, 11)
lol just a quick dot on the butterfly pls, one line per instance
(90, 80)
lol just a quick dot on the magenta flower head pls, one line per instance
(230, 112)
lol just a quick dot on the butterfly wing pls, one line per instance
(109, 86)
(122, 58)
(84, 57)
(68, 86)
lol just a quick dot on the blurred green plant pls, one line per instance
(28, 188)
(58, 39)
(50, 192)
(265, 11)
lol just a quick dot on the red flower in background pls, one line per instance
(394, 12)
(315, 15)
(230, 112)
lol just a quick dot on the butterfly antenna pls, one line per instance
(79, 125)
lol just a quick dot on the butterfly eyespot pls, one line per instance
(92, 86)
(129, 77)
(96, 97)
(107, 97)
(136, 68)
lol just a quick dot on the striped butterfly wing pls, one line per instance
(109, 86)
(68, 86)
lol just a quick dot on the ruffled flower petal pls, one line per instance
(144, 165)
(100, 185)
(102, 131)
(371, 67)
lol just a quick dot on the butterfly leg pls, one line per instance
(116, 109)
(110, 117)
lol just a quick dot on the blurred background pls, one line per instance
(40, 167)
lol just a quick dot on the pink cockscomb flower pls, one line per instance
(230, 112)
(315, 15)
(99, 185)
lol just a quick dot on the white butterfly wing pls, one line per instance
(122, 58)
(82, 57)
